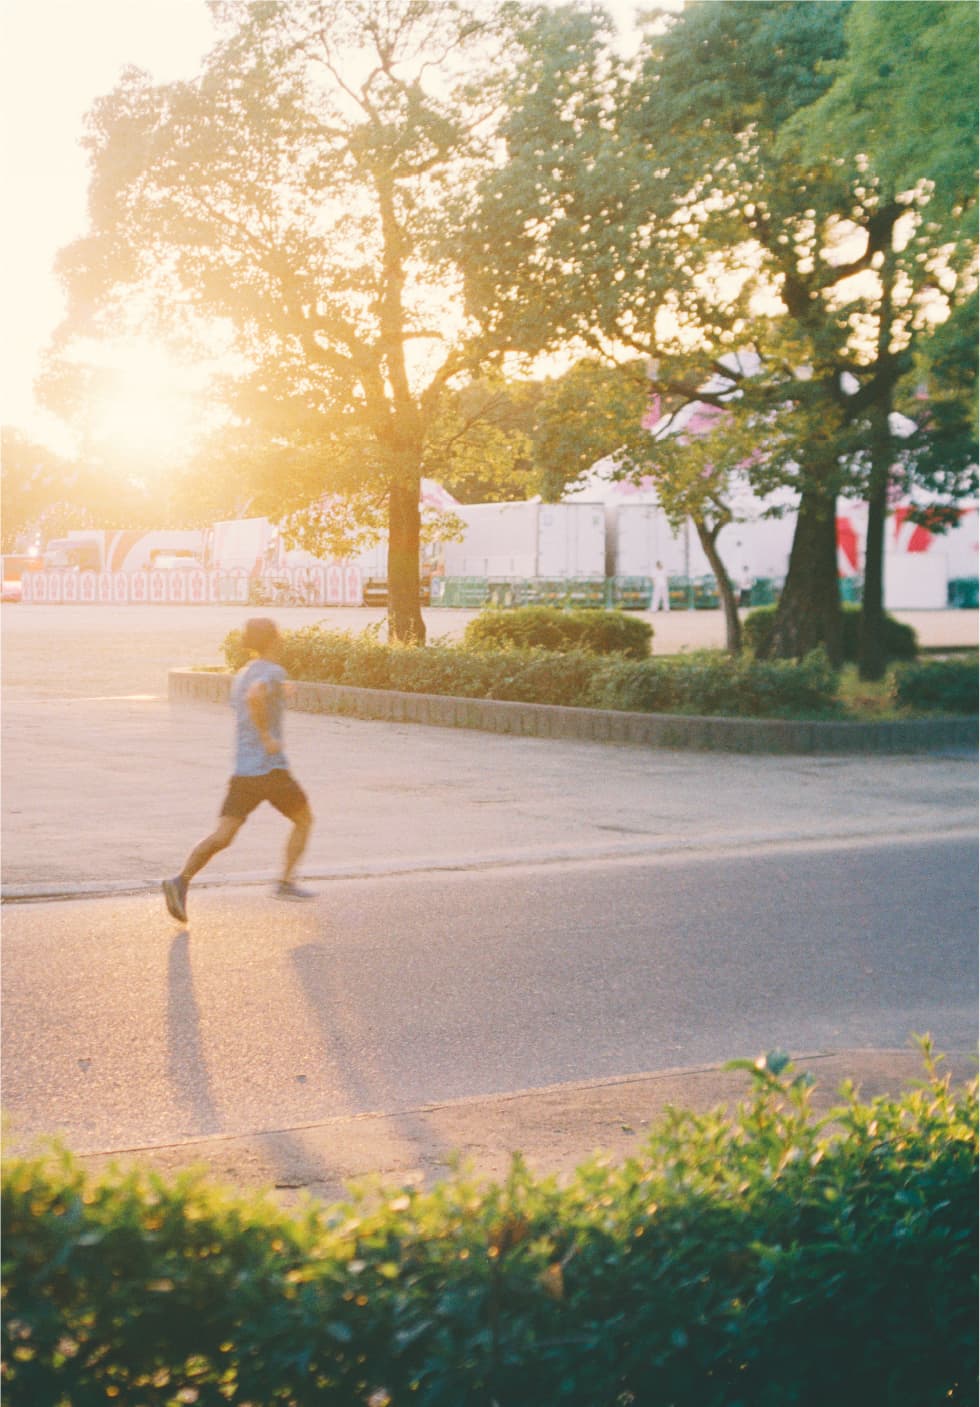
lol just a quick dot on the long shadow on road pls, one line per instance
(186, 1062)
(346, 1040)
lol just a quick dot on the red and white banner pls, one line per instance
(54, 587)
(87, 587)
(120, 588)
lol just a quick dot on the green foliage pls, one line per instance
(946, 686)
(905, 93)
(566, 675)
(901, 642)
(766, 1256)
(549, 628)
(721, 684)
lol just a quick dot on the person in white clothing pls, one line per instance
(661, 590)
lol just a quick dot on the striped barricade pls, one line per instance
(335, 585)
(353, 587)
(197, 586)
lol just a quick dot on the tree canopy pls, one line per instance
(685, 210)
(292, 206)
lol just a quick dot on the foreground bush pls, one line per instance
(945, 686)
(901, 642)
(707, 683)
(549, 628)
(765, 1258)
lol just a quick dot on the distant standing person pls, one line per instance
(258, 697)
(661, 589)
(745, 590)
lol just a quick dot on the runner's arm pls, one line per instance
(257, 699)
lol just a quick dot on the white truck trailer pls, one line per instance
(527, 540)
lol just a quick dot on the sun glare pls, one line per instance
(147, 407)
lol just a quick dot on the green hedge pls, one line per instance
(901, 642)
(703, 683)
(716, 684)
(946, 686)
(549, 628)
(765, 1258)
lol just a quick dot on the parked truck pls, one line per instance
(511, 541)
(123, 550)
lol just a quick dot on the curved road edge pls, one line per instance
(556, 1128)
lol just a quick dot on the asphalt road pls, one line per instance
(388, 993)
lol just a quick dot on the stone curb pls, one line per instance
(556, 1127)
(745, 735)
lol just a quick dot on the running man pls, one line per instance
(262, 773)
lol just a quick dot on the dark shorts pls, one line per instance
(279, 787)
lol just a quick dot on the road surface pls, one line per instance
(121, 1030)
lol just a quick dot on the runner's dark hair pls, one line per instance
(260, 634)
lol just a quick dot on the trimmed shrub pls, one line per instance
(765, 1257)
(550, 628)
(945, 686)
(704, 683)
(711, 683)
(901, 642)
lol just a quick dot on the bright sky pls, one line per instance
(56, 58)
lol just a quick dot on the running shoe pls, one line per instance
(175, 893)
(288, 890)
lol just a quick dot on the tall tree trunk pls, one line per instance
(871, 640)
(729, 603)
(405, 623)
(809, 607)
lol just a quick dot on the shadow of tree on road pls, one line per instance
(186, 1063)
(346, 1039)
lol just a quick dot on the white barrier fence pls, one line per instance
(333, 585)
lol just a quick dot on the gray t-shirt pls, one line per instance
(251, 758)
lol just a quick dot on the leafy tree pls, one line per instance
(45, 495)
(903, 109)
(296, 201)
(674, 212)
